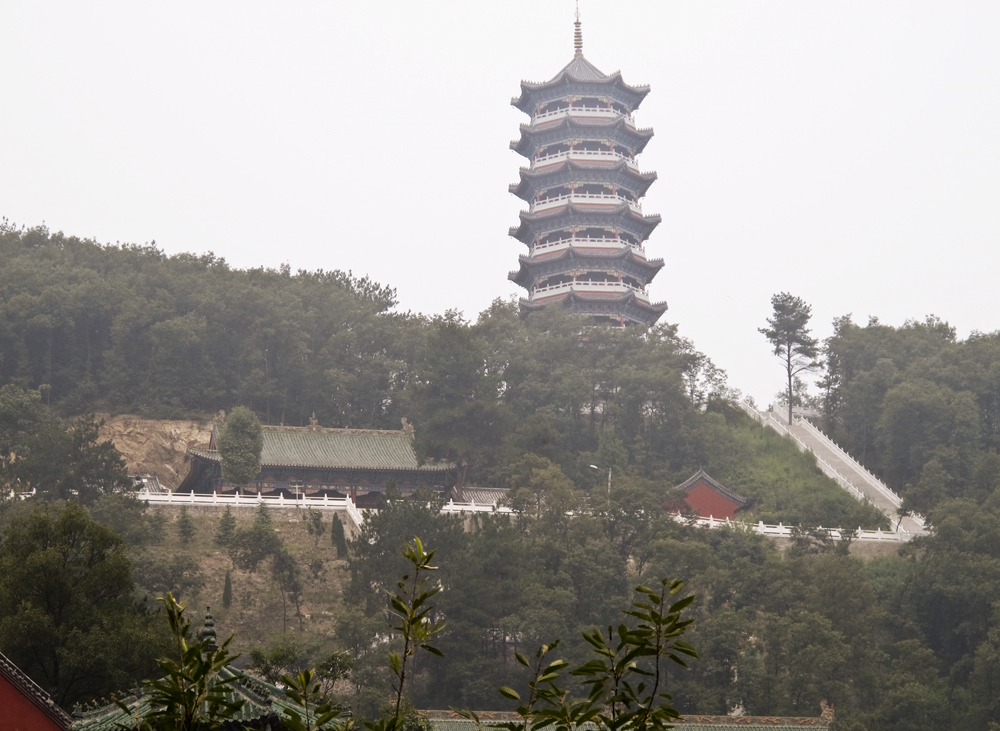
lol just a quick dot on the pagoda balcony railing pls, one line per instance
(581, 285)
(585, 243)
(591, 155)
(600, 198)
(581, 112)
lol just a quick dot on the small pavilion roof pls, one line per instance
(323, 448)
(578, 70)
(702, 476)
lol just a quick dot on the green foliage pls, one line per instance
(626, 679)
(127, 515)
(227, 591)
(316, 712)
(159, 573)
(280, 657)
(185, 526)
(240, 443)
(315, 525)
(190, 696)
(250, 546)
(59, 458)
(227, 528)
(338, 537)
(415, 626)
(67, 613)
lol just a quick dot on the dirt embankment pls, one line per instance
(152, 446)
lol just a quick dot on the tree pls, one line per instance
(67, 613)
(227, 527)
(337, 534)
(240, 445)
(227, 591)
(252, 545)
(185, 526)
(789, 335)
(315, 525)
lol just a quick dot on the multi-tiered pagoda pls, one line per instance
(585, 229)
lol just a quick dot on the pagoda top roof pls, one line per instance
(578, 70)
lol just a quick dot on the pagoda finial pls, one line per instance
(208, 631)
(577, 33)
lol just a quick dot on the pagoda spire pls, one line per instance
(577, 32)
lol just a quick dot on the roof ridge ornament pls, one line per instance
(577, 33)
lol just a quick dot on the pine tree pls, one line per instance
(227, 592)
(339, 540)
(227, 527)
(185, 526)
(315, 525)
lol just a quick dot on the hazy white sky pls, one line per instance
(848, 152)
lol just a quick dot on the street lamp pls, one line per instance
(594, 466)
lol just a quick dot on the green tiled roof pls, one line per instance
(449, 721)
(262, 701)
(365, 449)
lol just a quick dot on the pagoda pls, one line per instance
(584, 228)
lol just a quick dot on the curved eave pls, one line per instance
(524, 275)
(641, 135)
(655, 309)
(639, 182)
(530, 88)
(522, 232)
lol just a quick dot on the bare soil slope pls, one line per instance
(156, 447)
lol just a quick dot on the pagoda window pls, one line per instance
(595, 233)
(590, 103)
(551, 193)
(598, 277)
(551, 150)
(555, 237)
(593, 146)
(552, 107)
(594, 189)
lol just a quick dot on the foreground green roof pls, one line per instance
(263, 702)
(450, 721)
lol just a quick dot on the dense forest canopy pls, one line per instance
(918, 406)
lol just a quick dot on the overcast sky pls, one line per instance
(847, 152)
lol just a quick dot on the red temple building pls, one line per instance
(705, 497)
(584, 229)
(24, 706)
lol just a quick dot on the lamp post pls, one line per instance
(594, 466)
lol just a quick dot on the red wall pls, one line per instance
(705, 501)
(17, 713)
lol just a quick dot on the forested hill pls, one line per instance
(131, 329)
(513, 402)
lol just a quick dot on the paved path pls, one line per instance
(842, 468)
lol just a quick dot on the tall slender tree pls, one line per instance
(789, 335)
(240, 445)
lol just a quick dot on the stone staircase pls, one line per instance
(846, 471)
